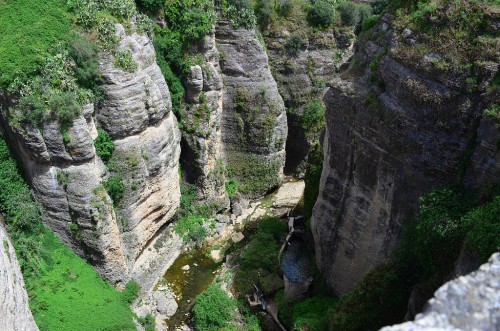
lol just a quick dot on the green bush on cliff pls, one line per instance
(115, 188)
(312, 178)
(213, 309)
(320, 14)
(313, 118)
(63, 290)
(241, 14)
(483, 228)
(104, 145)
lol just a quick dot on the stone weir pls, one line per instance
(123, 241)
(384, 148)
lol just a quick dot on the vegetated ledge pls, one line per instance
(466, 303)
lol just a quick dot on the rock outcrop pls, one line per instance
(253, 124)
(302, 74)
(202, 159)
(67, 175)
(14, 310)
(386, 144)
(466, 303)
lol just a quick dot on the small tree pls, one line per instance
(349, 13)
(293, 44)
(320, 14)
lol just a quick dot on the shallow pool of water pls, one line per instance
(295, 263)
(188, 284)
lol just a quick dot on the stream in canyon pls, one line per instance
(187, 282)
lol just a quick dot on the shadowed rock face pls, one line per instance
(14, 309)
(67, 176)
(384, 149)
(465, 303)
(202, 159)
(253, 124)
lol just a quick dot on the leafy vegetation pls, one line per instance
(123, 59)
(61, 286)
(213, 308)
(320, 14)
(241, 14)
(313, 118)
(115, 188)
(253, 173)
(30, 29)
(430, 245)
(455, 29)
(259, 258)
(353, 14)
(104, 145)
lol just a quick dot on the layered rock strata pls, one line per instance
(466, 303)
(386, 144)
(253, 124)
(14, 309)
(301, 75)
(67, 176)
(202, 157)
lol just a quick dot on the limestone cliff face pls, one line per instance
(202, 145)
(67, 176)
(302, 75)
(253, 123)
(384, 148)
(16, 315)
(466, 303)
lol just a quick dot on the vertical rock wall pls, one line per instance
(14, 310)
(384, 149)
(67, 176)
(202, 146)
(254, 126)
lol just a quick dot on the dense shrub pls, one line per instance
(123, 59)
(131, 291)
(284, 7)
(320, 14)
(365, 12)
(313, 118)
(115, 188)
(264, 13)
(104, 145)
(438, 230)
(26, 39)
(349, 13)
(85, 54)
(54, 93)
(65, 107)
(151, 5)
(293, 44)
(241, 14)
(232, 187)
(273, 226)
(483, 228)
(379, 299)
(191, 227)
(213, 308)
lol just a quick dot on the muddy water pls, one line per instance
(188, 284)
(202, 270)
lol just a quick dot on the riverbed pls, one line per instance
(202, 270)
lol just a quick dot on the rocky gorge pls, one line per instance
(145, 185)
